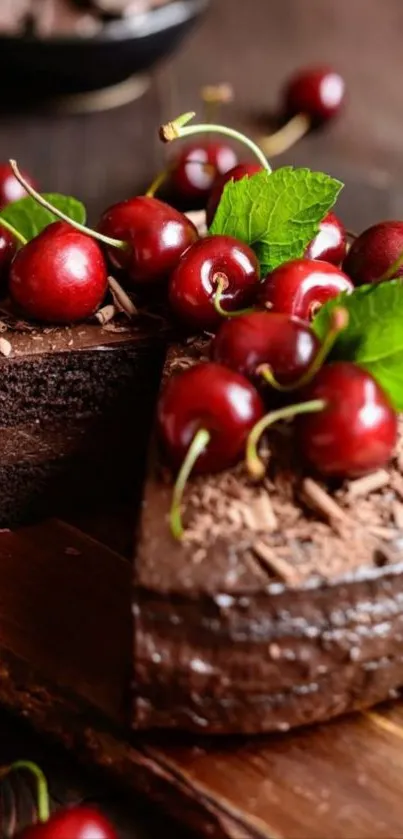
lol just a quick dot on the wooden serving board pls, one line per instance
(65, 650)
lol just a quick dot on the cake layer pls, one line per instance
(60, 466)
(283, 604)
(74, 371)
(75, 412)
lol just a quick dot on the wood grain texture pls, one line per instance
(346, 775)
(342, 780)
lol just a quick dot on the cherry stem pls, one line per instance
(392, 270)
(178, 128)
(13, 230)
(106, 240)
(254, 464)
(43, 807)
(339, 318)
(196, 448)
(222, 283)
(287, 136)
(157, 183)
(213, 96)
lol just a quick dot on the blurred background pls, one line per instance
(148, 59)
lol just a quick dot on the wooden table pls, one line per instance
(102, 157)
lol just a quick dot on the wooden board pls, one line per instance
(65, 666)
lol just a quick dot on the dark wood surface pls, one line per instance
(102, 157)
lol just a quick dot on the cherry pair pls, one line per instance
(218, 275)
(312, 97)
(60, 276)
(208, 414)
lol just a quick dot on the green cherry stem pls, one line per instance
(339, 318)
(158, 181)
(42, 785)
(106, 240)
(254, 464)
(13, 230)
(178, 128)
(196, 448)
(221, 284)
(392, 270)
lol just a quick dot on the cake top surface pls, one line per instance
(291, 530)
(19, 339)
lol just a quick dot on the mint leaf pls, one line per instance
(29, 218)
(374, 335)
(276, 214)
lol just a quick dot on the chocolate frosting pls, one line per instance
(282, 605)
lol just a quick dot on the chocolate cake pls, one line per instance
(282, 605)
(75, 408)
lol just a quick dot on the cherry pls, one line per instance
(356, 431)
(312, 97)
(204, 416)
(317, 92)
(152, 235)
(301, 286)
(59, 276)
(373, 255)
(286, 344)
(330, 244)
(215, 276)
(196, 168)
(242, 170)
(156, 235)
(75, 823)
(10, 188)
(8, 247)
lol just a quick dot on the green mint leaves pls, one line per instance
(276, 214)
(28, 218)
(374, 335)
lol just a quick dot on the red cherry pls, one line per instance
(357, 431)
(157, 236)
(208, 396)
(76, 823)
(330, 244)
(197, 167)
(10, 188)
(299, 287)
(242, 170)
(317, 92)
(286, 344)
(373, 253)
(8, 247)
(193, 284)
(60, 276)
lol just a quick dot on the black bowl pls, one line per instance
(42, 68)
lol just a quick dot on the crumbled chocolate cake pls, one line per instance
(281, 606)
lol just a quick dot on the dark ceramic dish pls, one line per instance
(122, 49)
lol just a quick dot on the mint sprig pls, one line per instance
(28, 218)
(277, 214)
(374, 336)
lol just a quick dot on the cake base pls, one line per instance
(342, 779)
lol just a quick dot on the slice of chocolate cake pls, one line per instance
(281, 606)
(75, 408)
